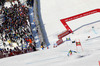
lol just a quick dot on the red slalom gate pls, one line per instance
(78, 44)
(99, 63)
(76, 17)
(60, 41)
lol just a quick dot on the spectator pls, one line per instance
(14, 28)
(42, 46)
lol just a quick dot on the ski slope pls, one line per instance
(51, 12)
(58, 56)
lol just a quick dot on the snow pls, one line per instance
(58, 56)
(83, 21)
(52, 11)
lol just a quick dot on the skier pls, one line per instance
(70, 52)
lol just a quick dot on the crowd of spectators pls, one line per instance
(15, 28)
(30, 2)
(2, 2)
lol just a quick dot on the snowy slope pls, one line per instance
(58, 56)
(52, 11)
